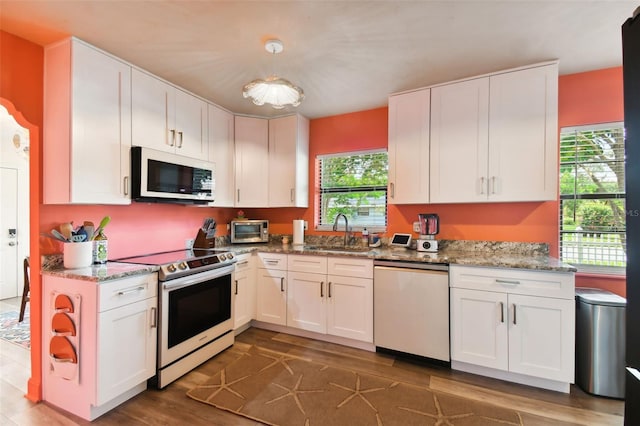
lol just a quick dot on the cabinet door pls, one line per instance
(306, 301)
(523, 147)
(221, 146)
(101, 136)
(350, 307)
(244, 291)
(479, 328)
(190, 125)
(459, 140)
(541, 337)
(126, 348)
(409, 147)
(272, 296)
(288, 162)
(150, 99)
(252, 162)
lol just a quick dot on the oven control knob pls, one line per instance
(222, 256)
(182, 265)
(229, 256)
(171, 268)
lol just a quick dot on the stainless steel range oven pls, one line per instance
(195, 306)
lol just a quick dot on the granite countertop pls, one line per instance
(470, 253)
(531, 256)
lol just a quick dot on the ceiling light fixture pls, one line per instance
(276, 91)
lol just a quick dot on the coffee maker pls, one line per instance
(429, 226)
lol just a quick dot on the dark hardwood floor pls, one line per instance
(171, 406)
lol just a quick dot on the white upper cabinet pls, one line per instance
(409, 147)
(523, 134)
(252, 161)
(221, 152)
(87, 125)
(289, 162)
(459, 141)
(494, 138)
(166, 118)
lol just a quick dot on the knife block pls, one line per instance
(202, 242)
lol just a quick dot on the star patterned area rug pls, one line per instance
(279, 389)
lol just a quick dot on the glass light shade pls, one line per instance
(275, 91)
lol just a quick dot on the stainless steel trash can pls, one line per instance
(600, 342)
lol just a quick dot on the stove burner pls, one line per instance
(180, 263)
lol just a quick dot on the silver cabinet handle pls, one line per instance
(154, 318)
(501, 312)
(173, 137)
(321, 289)
(238, 195)
(282, 284)
(11, 243)
(236, 292)
(482, 185)
(126, 185)
(329, 288)
(514, 314)
(511, 282)
(271, 262)
(244, 262)
(392, 188)
(293, 191)
(131, 290)
(493, 184)
(181, 138)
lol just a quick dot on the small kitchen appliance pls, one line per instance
(429, 226)
(249, 231)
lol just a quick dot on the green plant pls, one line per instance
(596, 217)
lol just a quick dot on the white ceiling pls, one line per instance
(346, 55)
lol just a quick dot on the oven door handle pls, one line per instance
(197, 278)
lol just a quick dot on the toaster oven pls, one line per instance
(249, 231)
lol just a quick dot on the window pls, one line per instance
(592, 198)
(354, 184)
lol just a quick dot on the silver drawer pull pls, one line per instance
(282, 284)
(329, 288)
(244, 262)
(512, 282)
(131, 290)
(321, 289)
(154, 318)
(514, 314)
(271, 262)
(236, 292)
(501, 312)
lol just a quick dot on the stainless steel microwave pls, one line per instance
(249, 231)
(164, 177)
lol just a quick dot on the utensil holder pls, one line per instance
(78, 255)
(202, 242)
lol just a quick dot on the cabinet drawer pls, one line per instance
(313, 264)
(113, 294)
(350, 267)
(244, 262)
(516, 281)
(273, 261)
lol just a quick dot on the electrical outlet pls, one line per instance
(188, 243)
(306, 225)
(416, 227)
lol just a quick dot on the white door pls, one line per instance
(409, 147)
(306, 301)
(272, 296)
(350, 307)
(541, 337)
(479, 328)
(8, 233)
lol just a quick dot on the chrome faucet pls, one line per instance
(346, 226)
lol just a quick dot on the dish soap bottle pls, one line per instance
(100, 248)
(365, 237)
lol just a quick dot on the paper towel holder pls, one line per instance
(298, 232)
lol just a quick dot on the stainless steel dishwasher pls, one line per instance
(411, 308)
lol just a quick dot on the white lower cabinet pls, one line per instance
(515, 327)
(244, 291)
(104, 352)
(328, 303)
(271, 280)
